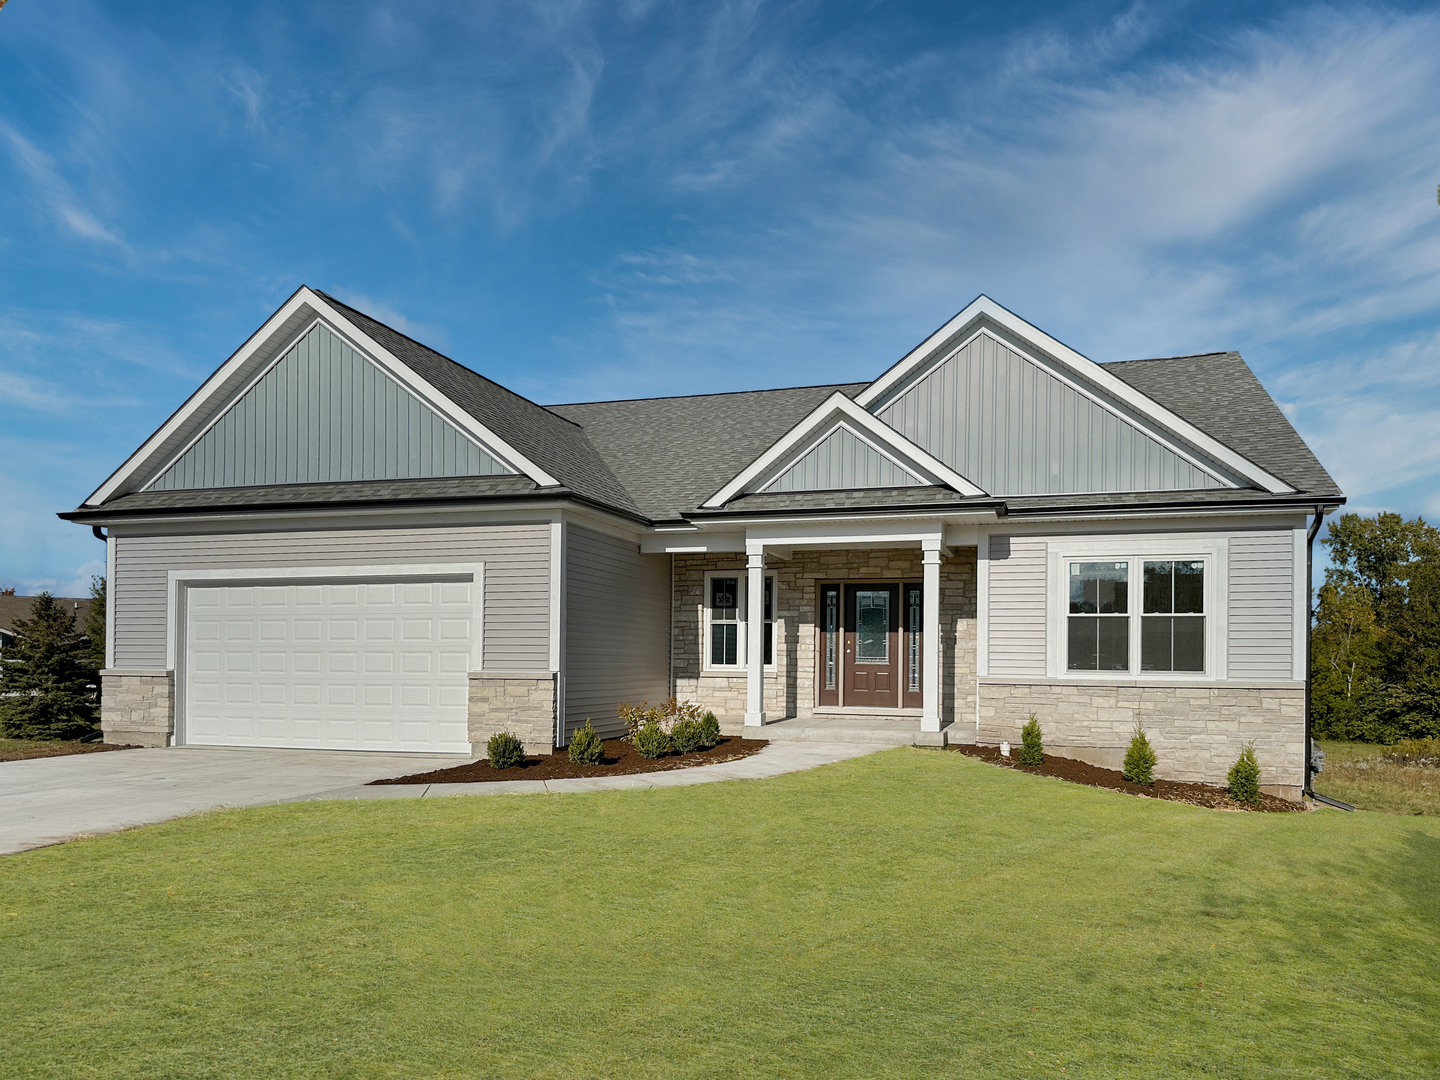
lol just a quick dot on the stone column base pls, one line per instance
(520, 702)
(137, 707)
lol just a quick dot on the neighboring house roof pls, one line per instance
(15, 608)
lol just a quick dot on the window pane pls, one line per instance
(872, 626)
(724, 640)
(1156, 638)
(1189, 589)
(769, 599)
(1083, 635)
(1099, 587)
(1159, 587)
(769, 643)
(1113, 645)
(724, 593)
(1189, 649)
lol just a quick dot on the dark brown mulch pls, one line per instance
(56, 749)
(621, 759)
(1080, 772)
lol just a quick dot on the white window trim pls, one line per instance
(1214, 552)
(742, 644)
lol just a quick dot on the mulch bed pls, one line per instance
(1079, 772)
(58, 749)
(621, 759)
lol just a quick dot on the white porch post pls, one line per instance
(930, 636)
(755, 635)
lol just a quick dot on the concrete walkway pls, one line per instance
(50, 800)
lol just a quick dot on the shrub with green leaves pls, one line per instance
(709, 730)
(651, 741)
(1420, 752)
(1244, 777)
(585, 746)
(1139, 760)
(687, 736)
(504, 750)
(1032, 747)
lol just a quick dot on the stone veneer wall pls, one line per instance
(790, 689)
(522, 703)
(137, 708)
(1197, 731)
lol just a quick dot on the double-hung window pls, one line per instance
(726, 600)
(1136, 615)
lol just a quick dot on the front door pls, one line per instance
(872, 646)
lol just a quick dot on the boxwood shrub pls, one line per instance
(585, 746)
(709, 730)
(687, 736)
(504, 750)
(651, 741)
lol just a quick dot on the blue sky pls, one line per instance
(586, 201)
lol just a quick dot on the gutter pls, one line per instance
(1308, 791)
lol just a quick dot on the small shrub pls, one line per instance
(667, 715)
(1244, 777)
(709, 730)
(1032, 748)
(687, 736)
(1422, 752)
(652, 741)
(586, 747)
(504, 750)
(1139, 760)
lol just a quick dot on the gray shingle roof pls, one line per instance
(674, 453)
(1219, 394)
(857, 499)
(552, 442)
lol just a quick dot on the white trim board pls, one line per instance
(877, 394)
(828, 415)
(259, 351)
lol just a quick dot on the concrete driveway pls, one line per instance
(49, 800)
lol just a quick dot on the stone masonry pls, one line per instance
(1197, 731)
(790, 689)
(522, 703)
(137, 708)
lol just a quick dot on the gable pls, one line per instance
(324, 413)
(1015, 427)
(842, 461)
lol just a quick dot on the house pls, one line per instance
(344, 539)
(14, 608)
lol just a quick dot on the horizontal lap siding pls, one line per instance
(1262, 606)
(1017, 606)
(517, 578)
(617, 633)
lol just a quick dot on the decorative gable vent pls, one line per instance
(842, 461)
(324, 413)
(1016, 428)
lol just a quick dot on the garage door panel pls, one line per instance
(343, 666)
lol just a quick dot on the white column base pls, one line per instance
(757, 719)
(929, 723)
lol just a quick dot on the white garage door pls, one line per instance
(374, 666)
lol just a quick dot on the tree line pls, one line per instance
(1375, 649)
(50, 672)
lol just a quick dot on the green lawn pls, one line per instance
(913, 913)
(1356, 773)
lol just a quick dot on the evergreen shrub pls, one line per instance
(651, 741)
(1032, 747)
(504, 750)
(46, 685)
(687, 736)
(585, 746)
(1139, 760)
(709, 730)
(1244, 777)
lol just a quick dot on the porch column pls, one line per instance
(755, 635)
(930, 636)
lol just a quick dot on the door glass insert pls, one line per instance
(831, 618)
(872, 626)
(912, 624)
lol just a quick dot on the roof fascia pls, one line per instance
(1082, 367)
(141, 463)
(910, 456)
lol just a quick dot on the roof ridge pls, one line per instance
(442, 356)
(1181, 356)
(717, 393)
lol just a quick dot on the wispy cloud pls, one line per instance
(54, 192)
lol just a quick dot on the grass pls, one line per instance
(908, 914)
(1356, 773)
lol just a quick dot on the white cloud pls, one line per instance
(54, 192)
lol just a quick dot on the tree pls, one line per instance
(45, 686)
(95, 627)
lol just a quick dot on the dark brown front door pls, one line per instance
(872, 646)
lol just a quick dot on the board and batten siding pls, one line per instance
(1011, 427)
(324, 414)
(840, 462)
(517, 578)
(1016, 606)
(1261, 606)
(617, 628)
